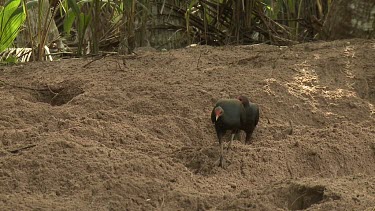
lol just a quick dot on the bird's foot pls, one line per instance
(231, 140)
(248, 142)
(237, 137)
(222, 162)
(229, 145)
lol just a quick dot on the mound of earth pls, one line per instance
(134, 132)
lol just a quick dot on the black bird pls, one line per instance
(251, 117)
(228, 114)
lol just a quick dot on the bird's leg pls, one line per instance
(235, 134)
(220, 161)
(248, 140)
(248, 136)
(221, 164)
(231, 139)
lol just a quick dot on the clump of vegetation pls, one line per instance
(12, 16)
(118, 26)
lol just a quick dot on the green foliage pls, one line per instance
(83, 21)
(11, 19)
(213, 22)
(9, 61)
(188, 12)
(81, 14)
(69, 21)
(243, 22)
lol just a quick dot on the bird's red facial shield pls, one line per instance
(218, 113)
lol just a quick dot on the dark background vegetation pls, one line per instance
(71, 27)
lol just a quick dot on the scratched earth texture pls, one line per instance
(134, 132)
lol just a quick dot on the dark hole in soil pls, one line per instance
(371, 84)
(365, 88)
(302, 197)
(59, 94)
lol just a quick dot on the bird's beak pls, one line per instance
(217, 117)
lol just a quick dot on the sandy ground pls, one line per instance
(134, 132)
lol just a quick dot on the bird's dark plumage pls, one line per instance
(228, 114)
(251, 117)
(235, 115)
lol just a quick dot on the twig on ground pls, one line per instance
(200, 55)
(162, 202)
(288, 166)
(53, 98)
(299, 197)
(49, 89)
(94, 60)
(22, 148)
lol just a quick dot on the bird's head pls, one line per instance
(244, 100)
(218, 112)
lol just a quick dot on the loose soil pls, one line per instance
(134, 132)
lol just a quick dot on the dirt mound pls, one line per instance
(134, 132)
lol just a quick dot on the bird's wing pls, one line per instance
(256, 111)
(243, 116)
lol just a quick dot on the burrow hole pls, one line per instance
(302, 197)
(59, 94)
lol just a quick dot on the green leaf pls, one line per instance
(10, 32)
(74, 6)
(83, 22)
(68, 22)
(7, 12)
(10, 60)
(11, 19)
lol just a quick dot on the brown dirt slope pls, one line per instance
(134, 133)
